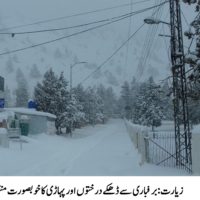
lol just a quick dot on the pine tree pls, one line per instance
(21, 92)
(81, 98)
(62, 99)
(126, 100)
(150, 113)
(193, 57)
(101, 92)
(194, 114)
(110, 102)
(93, 107)
(8, 98)
(73, 115)
(166, 102)
(53, 96)
(46, 93)
(134, 88)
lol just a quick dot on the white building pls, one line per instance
(39, 122)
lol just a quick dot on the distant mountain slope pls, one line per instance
(93, 47)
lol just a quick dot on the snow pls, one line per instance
(196, 129)
(3, 131)
(4, 115)
(31, 111)
(101, 150)
(92, 47)
(24, 117)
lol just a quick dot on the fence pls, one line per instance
(161, 148)
(155, 147)
(138, 134)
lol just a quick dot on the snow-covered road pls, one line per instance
(100, 150)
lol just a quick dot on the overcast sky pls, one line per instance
(17, 12)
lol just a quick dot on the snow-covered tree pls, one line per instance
(194, 111)
(8, 97)
(53, 96)
(21, 91)
(71, 112)
(110, 103)
(166, 103)
(191, 1)
(93, 107)
(73, 115)
(81, 98)
(62, 98)
(46, 93)
(109, 100)
(134, 88)
(193, 56)
(126, 99)
(148, 105)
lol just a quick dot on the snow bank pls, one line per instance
(138, 134)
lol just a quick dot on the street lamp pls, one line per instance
(183, 153)
(71, 67)
(155, 21)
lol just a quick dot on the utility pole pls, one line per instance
(181, 116)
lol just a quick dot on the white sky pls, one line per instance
(28, 11)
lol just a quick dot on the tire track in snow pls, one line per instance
(62, 162)
(109, 130)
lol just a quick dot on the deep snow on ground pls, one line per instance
(104, 150)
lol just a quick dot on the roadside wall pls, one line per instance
(138, 135)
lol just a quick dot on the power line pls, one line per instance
(152, 38)
(73, 15)
(149, 41)
(190, 45)
(113, 54)
(63, 28)
(129, 33)
(76, 26)
(74, 34)
(145, 50)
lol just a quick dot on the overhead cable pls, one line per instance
(79, 25)
(113, 54)
(71, 16)
(74, 34)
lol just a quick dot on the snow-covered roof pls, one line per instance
(30, 111)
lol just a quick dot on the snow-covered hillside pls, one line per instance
(93, 47)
